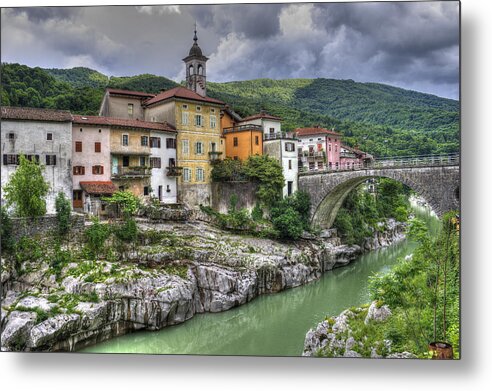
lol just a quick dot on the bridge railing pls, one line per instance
(394, 162)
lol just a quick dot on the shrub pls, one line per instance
(96, 236)
(7, 241)
(63, 210)
(288, 223)
(257, 213)
(126, 201)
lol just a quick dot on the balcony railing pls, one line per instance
(130, 172)
(243, 128)
(312, 154)
(279, 136)
(174, 171)
(214, 156)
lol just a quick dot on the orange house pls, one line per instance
(241, 140)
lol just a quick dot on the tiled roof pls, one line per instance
(35, 114)
(181, 92)
(121, 122)
(140, 94)
(315, 130)
(355, 150)
(98, 187)
(261, 115)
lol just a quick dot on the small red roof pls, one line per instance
(121, 122)
(140, 94)
(181, 92)
(314, 130)
(261, 115)
(98, 187)
(35, 114)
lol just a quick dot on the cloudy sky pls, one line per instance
(414, 45)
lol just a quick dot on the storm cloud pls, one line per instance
(412, 45)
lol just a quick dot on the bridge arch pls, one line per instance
(437, 185)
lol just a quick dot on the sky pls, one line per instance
(413, 45)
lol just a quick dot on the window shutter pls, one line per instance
(93, 170)
(83, 170)
(54, 160)
(102, 170)
(5, 159)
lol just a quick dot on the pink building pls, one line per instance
(318, 149)
(353, 158)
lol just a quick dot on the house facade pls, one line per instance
(319, 149)
(42, 135)
(280, 145)
(353, 158)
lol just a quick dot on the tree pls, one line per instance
(27, 189)
(63, 211)
(127, 202)
(268, 173)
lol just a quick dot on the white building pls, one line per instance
(280, 145)
(43, 135)
(163, 164)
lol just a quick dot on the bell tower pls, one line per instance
(196, 69)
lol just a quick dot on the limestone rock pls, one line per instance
(16, 331)
(377, 314)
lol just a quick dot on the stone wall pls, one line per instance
(223, 191)
(44, 226)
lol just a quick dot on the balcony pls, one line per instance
(214, 156)
(312, 155)
(130, 172)
(243, 128)
(174, 171)
(279, 136)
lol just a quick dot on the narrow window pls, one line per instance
(146, 190)
(235, 142)
(155, 142)
(11, 136)
(185, 145)
(144, 141)
(199, 175)
(51, 160)
(213, 121)
(126, 161)
(78, 146)
(124, 140)
(199, 148)
(142, 161)
(97, 147)
(49, 136)
(155, 162)
(184, 118)
(130, 109)
(290, 164)
(257, 140)
(186, 174)
(198, 120)
(170, 143)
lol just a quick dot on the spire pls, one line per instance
(195, 38)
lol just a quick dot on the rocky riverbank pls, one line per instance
(180, 269)
(351, 334)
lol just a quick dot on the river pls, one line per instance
(270, 325)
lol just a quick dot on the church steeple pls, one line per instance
(195, 63)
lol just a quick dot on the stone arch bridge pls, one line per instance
(436, 179)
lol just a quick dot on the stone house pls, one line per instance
(42, 135)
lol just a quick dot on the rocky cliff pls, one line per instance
(191, 268)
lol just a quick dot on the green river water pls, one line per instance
(270, 325)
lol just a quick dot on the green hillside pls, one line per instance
(380, 119)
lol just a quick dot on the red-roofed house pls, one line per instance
(319, 148)
(353, 158)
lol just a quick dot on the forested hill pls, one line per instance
(381, 119)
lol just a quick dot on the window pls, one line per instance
(212, 110)
(213, 147)
(320, 165)
(184, 118)
(185, 107)
(97, 170)
(199, 175)
(235, 142)
(146, 190)
(329, 147)
(97, 147)
(336, 147)
(155, 142)
(78, 146)
(319, 138)
(142, 161)
(272, 130)
(124, 140)
(130, 109)
(126, 161)
(199, 148)
(198, 108)
(144, 141)
(11, 136)
(290, 147)
(290, 164)
(336, 166)
(213, 121)
(9, 159)
(198, 120)
(155, 162)
(49, 136)
(185, 146)
(289, 187)
(186, 175)
(33, 158)
(78, 170)
(172, 162)
(170, 143)
(236, 158)
(257, 140)
(51, 160)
